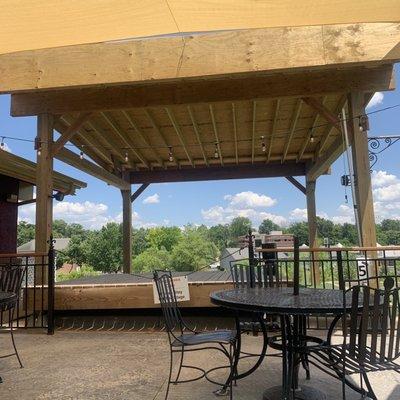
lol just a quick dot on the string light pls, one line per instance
(2, 145)
(81, 155)
(38, 146)
(170, 155)
(263, 146)
(216, 154)
(312, 138)
(126, 157)
(363, 123)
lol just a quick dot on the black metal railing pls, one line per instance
(35, 305)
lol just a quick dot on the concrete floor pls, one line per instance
(125, 365)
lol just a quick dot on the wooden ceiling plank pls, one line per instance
(292, 129)
(166, 94)
(70, 132)
(310, 132)
(130, 146)
(253, 131)
(329, 128)
(197, 132)
(217, 142)
(235, 136)
(273, 129)
(139, 131)
(179, 133)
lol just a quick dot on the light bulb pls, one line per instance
(126, 157)
(263, 146)
(312, 139)
(2, 145)
(170, 156)
(216, 155)
(39, 152)
(81, 155)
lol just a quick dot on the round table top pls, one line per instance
(281, 300)
(5, 297)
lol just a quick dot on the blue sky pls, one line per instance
(215, 202)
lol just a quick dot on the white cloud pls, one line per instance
(382, 178)
(376, 99)
(250, 199)
(387, 193)
(298, 214)
(154, 199)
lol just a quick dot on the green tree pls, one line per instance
(139, 241)
(267, 226)
(104, 248)
(76, 252)
(239, 226)
(299, 229)
(151, 259)
(219, 235)
(390, 225)
(163, 237)
(193, 251)
(25, 232)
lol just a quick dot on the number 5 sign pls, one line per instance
(362, 267)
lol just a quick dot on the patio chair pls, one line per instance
(11, 277)
(184, 339)
(371, 337)
(262, 273)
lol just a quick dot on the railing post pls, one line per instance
(251, 258)
(339, 260)
(296, 266)
(50, 287)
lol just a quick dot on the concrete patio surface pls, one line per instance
(126, 365)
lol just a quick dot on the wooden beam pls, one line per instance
(125, 139)
(329, 129)
(234, 121)
(323, 163)
(44, 184)
(273, 129)
(126, 231)
(70, 132)
(296, 184)
(362, 175)
(201, 55)
(197, 133)
(293, 124)
(236, 88)
(214, 124)
(245, 171)
(90, 168)
(253, 133)
(179, 134)
(139, 191)
(325, 112)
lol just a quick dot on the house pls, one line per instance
(60, 244)
(231, 254)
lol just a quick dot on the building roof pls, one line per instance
(25, 170)
(29, 247)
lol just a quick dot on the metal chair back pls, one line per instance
(372, 323)
(259, 274)
(11, 277)
(169, 305)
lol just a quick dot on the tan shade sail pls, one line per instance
(29, 25)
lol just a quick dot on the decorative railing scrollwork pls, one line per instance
(378, 144)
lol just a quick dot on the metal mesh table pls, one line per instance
(292, 310)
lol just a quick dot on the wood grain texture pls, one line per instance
(201, 55)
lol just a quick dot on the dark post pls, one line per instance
(251, 258)
(50, 288)
(339, 260)
(296, 266)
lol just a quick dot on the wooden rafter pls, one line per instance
(159, 132)
(273, 129)
(70, 132)
(215, 128)
(125, 139)
(309, 133)
(296, 184)
(234, 121)
(253, 131)
(325, 112)
(178, 131)
(197, 132)
(139, 131)
(293, 124)
(329, 128)
(139, 191)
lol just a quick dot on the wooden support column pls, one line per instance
(362, 175)
(312, 228)
(44, 183)
(127, 230)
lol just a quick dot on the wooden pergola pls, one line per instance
(246, 103)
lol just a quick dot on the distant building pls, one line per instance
(60, 244)
(230, 254)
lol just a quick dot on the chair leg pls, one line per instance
(180, 367)
(371, 392)
(13, 341)
(306, 365)
(170, 374)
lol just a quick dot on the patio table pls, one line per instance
(5, 298)
(292, 310)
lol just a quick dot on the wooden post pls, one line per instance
(127, 230)
(44, 187)
(362, 176)
(312, 228)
